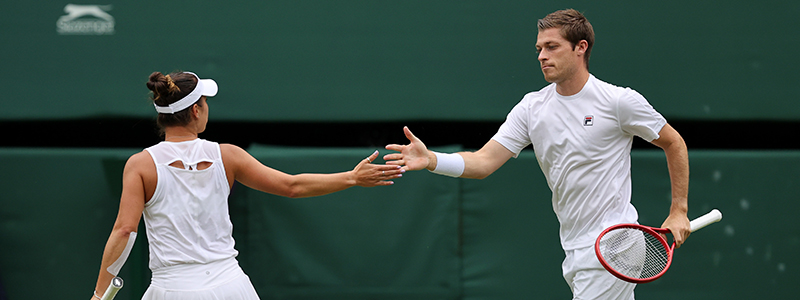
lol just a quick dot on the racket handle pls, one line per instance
(113, 288)
(714, 216)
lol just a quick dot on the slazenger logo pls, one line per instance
(96, 22)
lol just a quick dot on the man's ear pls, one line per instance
(582, 46)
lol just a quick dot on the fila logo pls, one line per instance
(588, 120)
(86, 20)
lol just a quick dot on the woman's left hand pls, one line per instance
(368, 174)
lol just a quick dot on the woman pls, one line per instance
(181, 187)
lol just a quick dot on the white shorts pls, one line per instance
(588, 280)
(217, 280)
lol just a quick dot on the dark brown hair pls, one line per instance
(574, 28)
(169, 89)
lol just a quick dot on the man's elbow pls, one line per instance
(477, 173)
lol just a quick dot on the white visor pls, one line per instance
(205, 87)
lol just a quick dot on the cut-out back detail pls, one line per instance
(199, 166)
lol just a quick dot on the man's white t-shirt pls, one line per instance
(583, 143)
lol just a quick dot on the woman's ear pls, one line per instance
(196, 111)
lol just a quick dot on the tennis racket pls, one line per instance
(113, 288)
(640, 254)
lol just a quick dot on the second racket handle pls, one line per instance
(113, 288)
(714, 216)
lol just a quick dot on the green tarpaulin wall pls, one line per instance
(426, 237)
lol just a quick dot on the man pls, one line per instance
(582, 130)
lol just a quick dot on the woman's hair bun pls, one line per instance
(162, 86)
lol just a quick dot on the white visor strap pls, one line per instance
(191, 98)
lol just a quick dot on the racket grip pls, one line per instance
(714, 216)
(113, 288)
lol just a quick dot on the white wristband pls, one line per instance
(451, 164)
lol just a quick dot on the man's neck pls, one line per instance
(574, 84)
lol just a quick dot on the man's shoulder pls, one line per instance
(541, 94)
(609, 87)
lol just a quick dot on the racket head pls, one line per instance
(633, 252)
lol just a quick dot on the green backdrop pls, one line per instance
(426, 237)
(364, 60)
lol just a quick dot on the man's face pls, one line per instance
(558, 59)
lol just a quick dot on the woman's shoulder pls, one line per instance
(232, 154)
(140, 157)
(140, 162)
(230, 149)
